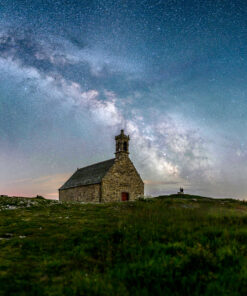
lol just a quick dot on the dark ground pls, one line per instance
(176, 245)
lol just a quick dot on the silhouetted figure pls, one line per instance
(181, 191)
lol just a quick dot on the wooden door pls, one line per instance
(125, 196)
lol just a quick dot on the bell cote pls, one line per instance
(122, 144)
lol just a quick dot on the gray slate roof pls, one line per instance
(92, 174)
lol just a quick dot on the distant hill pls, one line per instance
(6, 196)
(169, 245)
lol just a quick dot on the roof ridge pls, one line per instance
(91, 174)
(95, 164)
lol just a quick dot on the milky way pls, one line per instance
(171, 73)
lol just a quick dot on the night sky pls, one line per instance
(173, 74)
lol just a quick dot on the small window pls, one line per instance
(125, 146)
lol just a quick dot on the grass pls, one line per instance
(175, 245)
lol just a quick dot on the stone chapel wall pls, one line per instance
(88, 193)
(122, 177)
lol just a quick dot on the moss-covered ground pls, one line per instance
(176, 245)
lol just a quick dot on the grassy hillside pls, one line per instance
(177, 245)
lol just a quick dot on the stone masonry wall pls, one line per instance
(89, 193)
(122, 177)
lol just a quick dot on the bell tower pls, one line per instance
(122, 145)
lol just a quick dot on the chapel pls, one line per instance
(115, 179)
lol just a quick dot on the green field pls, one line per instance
(176, 245)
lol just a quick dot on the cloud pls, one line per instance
(56, 54)
(155, 183)
(171, 153)
(45, 185)
(24, 48)
(165, 146)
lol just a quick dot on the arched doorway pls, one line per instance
(125, 196)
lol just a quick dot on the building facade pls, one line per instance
(112, 180)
